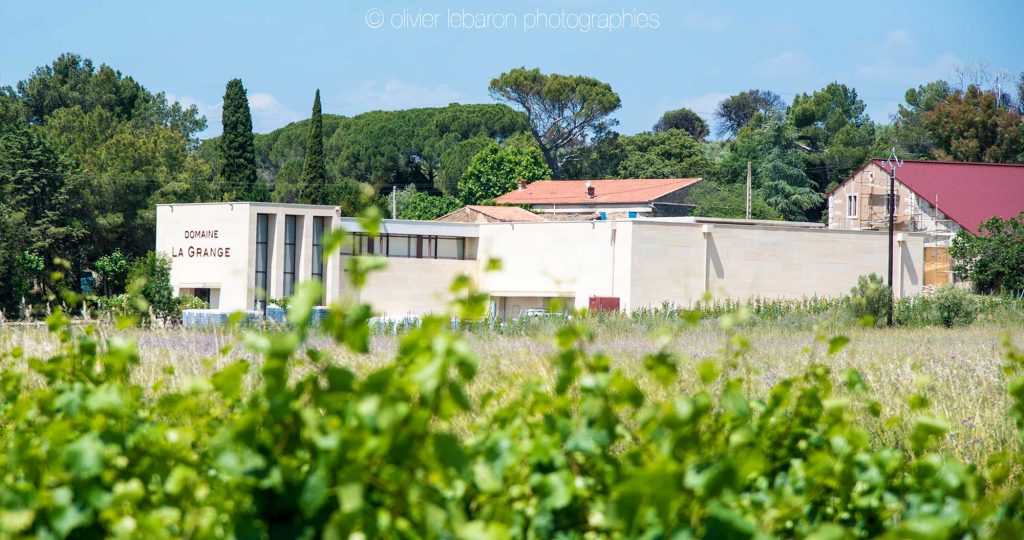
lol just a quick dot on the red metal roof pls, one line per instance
(968, 193)
(632, 190)
(506, 213)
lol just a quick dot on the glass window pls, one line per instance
(318, 248)
(398, 245)
(348, 245)
(261, 260)
(289, 254)
(851, 206)
(451, 248)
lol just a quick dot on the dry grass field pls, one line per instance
(959, 370)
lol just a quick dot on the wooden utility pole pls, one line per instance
(893, 162)
(394, 202)
(748, 190)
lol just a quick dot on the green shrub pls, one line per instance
(279, 302)
(113, 270)
(992, 260)
(119, 305)
(871, 297)
(151, 275)
(187, 301)
(406, 451)
(954, 306)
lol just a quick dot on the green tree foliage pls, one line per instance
(455, 160)
(778, 169)
(427, 147)
(1020, 94)
(424, 206)
(735, 112)
(113, 271)
(15, 279)
(73, 81)
(403, 147)
(412, 203)
(684, 119)
(566, 112)
(496, 170)
(838, 135)
(239, 170)
(993, 259)
(911, 138)
(665, 154)
(43, 198)
(972, 126)
(127, 170)
(13, 114)
(714, 199)
(351, 196)
(314, 172)
(123, 148)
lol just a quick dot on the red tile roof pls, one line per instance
(968, 193)
(506, 213)
(605, 191)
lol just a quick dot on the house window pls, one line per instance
(261, 261)
(851, 206)
(886, 197)
(318, 248)
(289, 254)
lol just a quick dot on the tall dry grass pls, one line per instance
(958, 369)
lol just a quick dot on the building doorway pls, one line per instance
(938, 267)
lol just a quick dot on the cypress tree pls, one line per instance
(313, 188)
(239, 171)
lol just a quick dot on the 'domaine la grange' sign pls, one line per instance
(194, 251)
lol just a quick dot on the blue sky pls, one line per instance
(683, 53)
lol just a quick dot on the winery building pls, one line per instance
(238, 254)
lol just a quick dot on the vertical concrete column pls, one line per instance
(276, 248)
(333, 268)
(901, 244)
(705, 231)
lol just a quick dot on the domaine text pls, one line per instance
(201, 251)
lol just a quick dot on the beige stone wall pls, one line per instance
(413, 286)
(556, 259)
(669, 262)
(214, 263)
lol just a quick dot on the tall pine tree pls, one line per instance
(313, 188)
(239, 171)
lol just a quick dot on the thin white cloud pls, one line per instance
(706, 22)
(395, 94)
(784, 65)
(268, 112)
(705, 104)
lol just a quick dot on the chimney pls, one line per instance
(522, 184)
(590, 190)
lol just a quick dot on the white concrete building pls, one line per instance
(231, 252)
